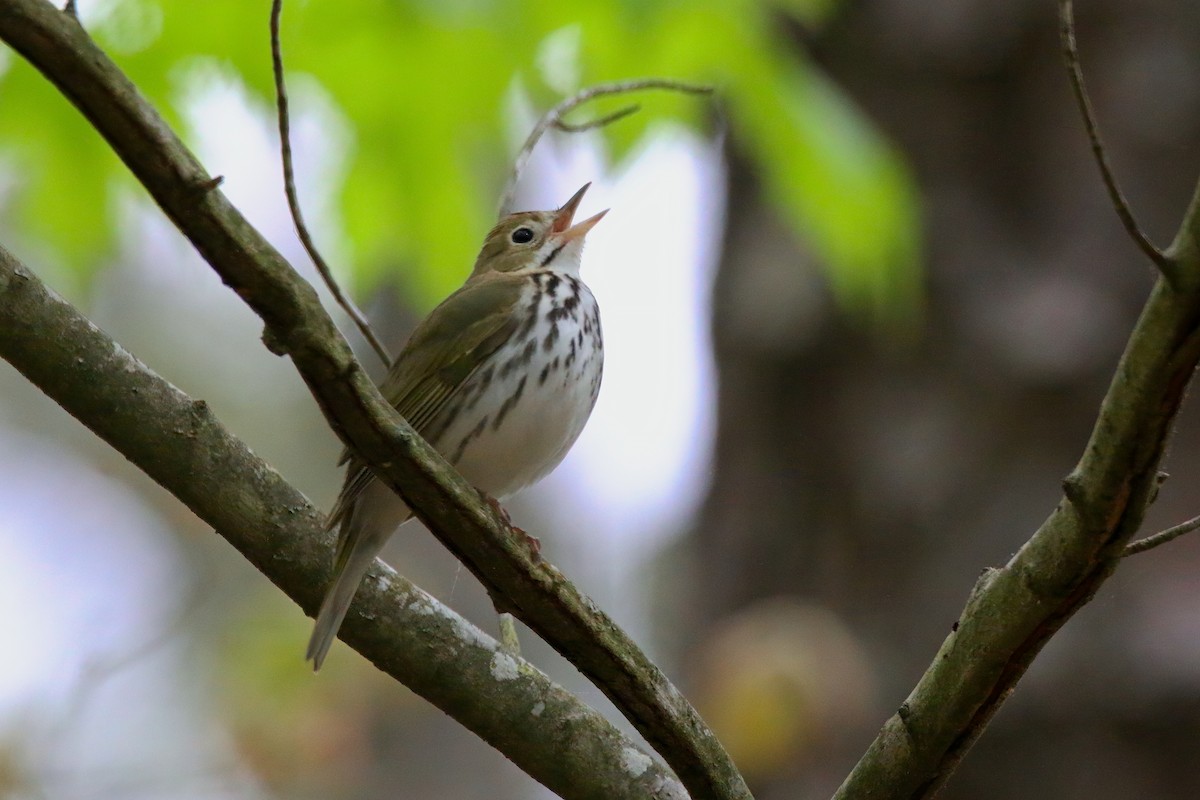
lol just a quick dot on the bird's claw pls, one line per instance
(532, 542)
(495, 504)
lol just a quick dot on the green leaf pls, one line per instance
(834, 177)
(841, 184)
(809, 12)
(63, 171)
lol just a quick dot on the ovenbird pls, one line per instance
(500, 378)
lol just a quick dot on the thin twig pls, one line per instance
(289, 184)
(600, 122)
(554, 119)
(1066, 18)
(1162, 537)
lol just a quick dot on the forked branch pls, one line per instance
(1016, 608)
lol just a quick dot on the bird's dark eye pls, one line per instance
(522, 235)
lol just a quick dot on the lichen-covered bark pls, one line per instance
(177, 441)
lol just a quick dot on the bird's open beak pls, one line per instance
(562, 227)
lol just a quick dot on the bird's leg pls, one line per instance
(535, 544)
(499, 509)
(509, 642)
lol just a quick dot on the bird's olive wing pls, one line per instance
(447, 347)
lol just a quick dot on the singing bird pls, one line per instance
(500, 378)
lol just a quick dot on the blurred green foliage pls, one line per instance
(429, 88)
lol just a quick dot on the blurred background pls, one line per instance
(859, 314)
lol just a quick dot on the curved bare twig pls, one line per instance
(554, 119)
(1066, 19)
(599, 122)
(289, 186)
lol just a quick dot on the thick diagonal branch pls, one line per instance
(298, 326)
(178, 442)
(1014, 610)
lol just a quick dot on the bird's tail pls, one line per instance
(337, 601)
(376, 512)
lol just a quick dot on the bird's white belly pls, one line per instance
(520, 425)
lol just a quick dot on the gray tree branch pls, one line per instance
(1015, 609)
(179, 443)
(298, 326)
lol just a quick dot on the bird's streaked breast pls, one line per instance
(516, 417)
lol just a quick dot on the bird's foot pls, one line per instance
(532, 542)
